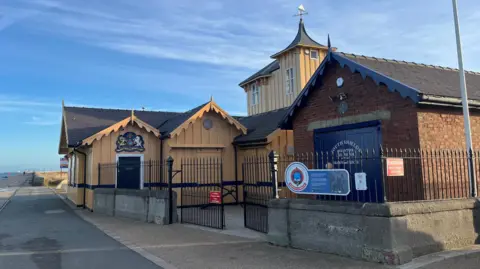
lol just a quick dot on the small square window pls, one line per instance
(314, 54)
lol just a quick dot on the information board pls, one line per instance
(395, 167)
(299, 179)
(215, 197)
(63, 163)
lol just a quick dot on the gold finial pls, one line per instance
(133, 115)
(301, 12)
(211, 98)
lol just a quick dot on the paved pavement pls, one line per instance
(186, 247)
(8, 187)
(39, 231)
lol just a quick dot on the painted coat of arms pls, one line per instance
(130, 142)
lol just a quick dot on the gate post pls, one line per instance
(149, 175)
(273, 161)
(170, 192)
(99, 170)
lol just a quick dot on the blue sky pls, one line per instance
(173, 55)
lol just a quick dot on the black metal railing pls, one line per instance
(152, 173)
(392, 175)
(202, 191)
(259, 187)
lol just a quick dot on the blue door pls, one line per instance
(356, 148)
(128, 174)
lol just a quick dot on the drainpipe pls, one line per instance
(236, 174)
(161, 160)
(84, 176)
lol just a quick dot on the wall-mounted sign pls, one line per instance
(361, 181)
(346, 152)
(215, 197)
(395, 167)
(299, 179)
(63, 163)
(130, 142)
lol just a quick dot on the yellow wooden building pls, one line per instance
(94, 137)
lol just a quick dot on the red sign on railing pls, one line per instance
(215, 197)
(395, 167)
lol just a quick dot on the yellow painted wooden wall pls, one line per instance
(280, 140)
(75, 194)
(197, 142)
(103, 151)
(273, 93)
(308, 66)
(193, 142)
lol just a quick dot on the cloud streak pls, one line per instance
(230, 33)
(189, 36)
(42, 121)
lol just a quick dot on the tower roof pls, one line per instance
(301, 39)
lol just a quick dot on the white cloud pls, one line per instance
(232, 34)
(194, 34)
(38, 112)
(44, 120)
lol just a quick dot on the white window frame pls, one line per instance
(141, 167)
(314, 58)
(72, 166)
(290, 81)
(255, 94)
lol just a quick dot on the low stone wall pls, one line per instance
(143, 205)
(391, 233)
(37, 181)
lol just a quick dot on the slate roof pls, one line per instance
(427, 79)
(301, 39)
(83, 122)
(412, 80)
(173, 122)
(259, 126)
(266, 71)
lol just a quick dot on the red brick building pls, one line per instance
(353, 103)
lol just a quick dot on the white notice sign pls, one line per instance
(361, 181)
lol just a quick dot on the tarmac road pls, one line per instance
(39, 231)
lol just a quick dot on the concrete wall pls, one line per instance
(143, 205)
(391, 233)
(37, 180)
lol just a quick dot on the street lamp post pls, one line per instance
(466, 113)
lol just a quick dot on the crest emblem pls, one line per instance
(130, 142)
(296, 177)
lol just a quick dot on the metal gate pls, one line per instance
(201, 194)
(259, 186)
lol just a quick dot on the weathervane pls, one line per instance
(301, 11)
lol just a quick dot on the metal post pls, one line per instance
(384, 179)
(273, 160)
(150, 174)
(170, 192)
(466, 114)
(99, 170)
(221, 195)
